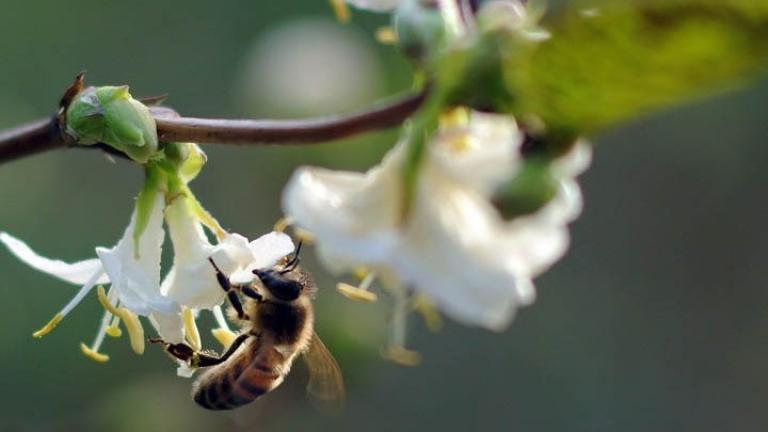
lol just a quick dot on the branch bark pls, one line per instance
(44, 135)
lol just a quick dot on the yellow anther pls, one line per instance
(428, 312)
(191, 331)
(305, 236)
(355, 293)
(224, 336)
(341, 10)
(93, 355)
(105, 301)
(48, 327)
(454, 117)
(402, 356)
(360, 273)
(386, 35)
(135, 330)
(114, 328)
(282, 224)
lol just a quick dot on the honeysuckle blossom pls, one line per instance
(132, 266)
(133, 269)
(192, 281)
(454, 246)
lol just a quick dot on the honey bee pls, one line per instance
(277, 325)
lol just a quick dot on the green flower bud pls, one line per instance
(185, 160)
(110, 115)
(420, 29)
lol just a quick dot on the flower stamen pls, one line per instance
(301, 234)
(92, 352)
(223, 334)
(135, 330)
(359, 293)
(192, 334)
(130, 320)
(341, 10)
(386, 35)
(424, 306)
(69, 306)
(114, 328)
(396, 351)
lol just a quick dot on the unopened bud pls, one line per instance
(110, 115)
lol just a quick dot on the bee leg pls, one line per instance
(250, 292)
(234, 300)
(180, 351)
(226, 285)
(221, 277)
(206, 360)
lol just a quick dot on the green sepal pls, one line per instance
(532, 188)
(420, 29)
(155, 182)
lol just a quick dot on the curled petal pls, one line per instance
(450, 252)
(170, 326)
(357, 213)
(135, 271)
(270, 248)
(77, 273)
(483, 153)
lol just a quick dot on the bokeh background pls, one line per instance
(657, 320)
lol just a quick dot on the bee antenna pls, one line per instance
(291, 265)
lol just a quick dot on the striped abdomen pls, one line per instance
(255, 370)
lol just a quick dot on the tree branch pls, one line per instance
(29, 139)
(44, 135)
(209, 131)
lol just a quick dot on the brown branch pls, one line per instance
(44, 135)
(29, 139)
(204, 131)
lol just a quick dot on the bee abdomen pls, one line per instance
(247, 379)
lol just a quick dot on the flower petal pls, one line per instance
(355, 213)
(450, 252)
(270, 248)
(192, 280)
(170, 327)
(77, 273)
(483, 153)
(135, 271)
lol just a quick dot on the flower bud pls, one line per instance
(110, 115)
(420, 29)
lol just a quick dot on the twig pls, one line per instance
(44, 135)
(210, 131)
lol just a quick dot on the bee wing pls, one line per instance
(326, 384)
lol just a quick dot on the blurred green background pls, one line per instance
(656, 320)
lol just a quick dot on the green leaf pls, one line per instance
(611, 61)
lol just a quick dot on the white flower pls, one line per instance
(454, 247)
(192, 279)
(133, 269)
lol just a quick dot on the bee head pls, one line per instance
(280, 286)
(278, 282)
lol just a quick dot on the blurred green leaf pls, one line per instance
(608, 61)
